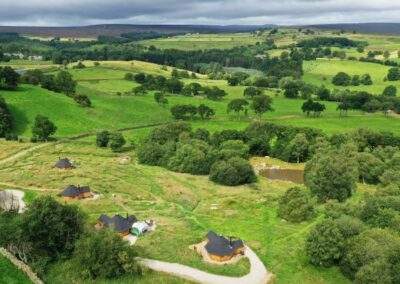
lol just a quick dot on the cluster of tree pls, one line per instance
(311, 106)
(189, 112)
(179, 74)
(238, 78)
(222, 155)
(309, 53)
(62, 82)
(361, 238)
(3, 57)
(174, 86)
(138, 36)
(8, 78)
(290, 64)
(330, 41)
(114, 140)
(368, 102)
(343, 79)
(6, 119)
(49, 232)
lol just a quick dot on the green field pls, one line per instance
(203, 41)
(322, 71)
(184, 206)
(180, 204)
(9, 274)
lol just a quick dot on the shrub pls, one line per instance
(43, 128)
(390, 91)
(83, 100)
(341, 79)
(117, 140)
(296, 205)
(393, 74)
(102, 139)
(325, 244)
(150, 153)
(51, 228)
(192, 158)
(233, 148)
(103, 254)
(235, 171)
(6, 122)
(332, 174)
(129, 77)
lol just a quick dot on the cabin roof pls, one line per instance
(73, 191)
(64, 164)
(118, 223)
(221, 246)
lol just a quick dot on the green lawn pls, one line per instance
(9, 274)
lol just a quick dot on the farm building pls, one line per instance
(222, 249)
(64, 164)
(76, 192)
(121, 225)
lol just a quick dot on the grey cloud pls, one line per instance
(81, 12)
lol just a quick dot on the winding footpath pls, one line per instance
(258, 273)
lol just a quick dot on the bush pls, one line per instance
(296, 205)
(43, 128)
(129, 77)
(366, 250)
(83, 100)
(390, 91)
(192, 158)
(332, 174)
(51, 228)
(102, 139)
(150, 153)
(6, 120)
(103, 254)
(235, 171)
(117, 141)
(325, 244)
(233, 148)
(341, 79)
(393, 74)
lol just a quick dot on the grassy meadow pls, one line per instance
(114, 109)
(184, 206)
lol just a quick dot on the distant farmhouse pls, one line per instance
(64, 164)
(121, 225)
(76, 192)
(221, 249)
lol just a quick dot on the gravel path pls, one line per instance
(258, 273)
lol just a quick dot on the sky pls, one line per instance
(220, 12)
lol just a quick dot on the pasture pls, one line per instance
(180, 204)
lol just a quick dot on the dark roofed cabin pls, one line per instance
(76, 192)
(222, 249)
(64, 164)
(121, 225)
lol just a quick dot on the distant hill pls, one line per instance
(373, 28)
(116, 30)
